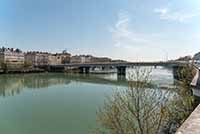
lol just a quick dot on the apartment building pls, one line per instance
(13, 58)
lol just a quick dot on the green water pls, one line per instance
(57, 103)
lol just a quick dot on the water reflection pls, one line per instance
(14, 84)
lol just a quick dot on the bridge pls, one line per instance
(120, 66)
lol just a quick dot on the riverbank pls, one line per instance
(14, 71)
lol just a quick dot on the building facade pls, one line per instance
(65, 57)
(75, 59)
(59, 58)
(37, 58)
(100, 59)
(44, 58)
(13, 58)
(81, 59)
(88, 59)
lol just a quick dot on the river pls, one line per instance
(56, 103)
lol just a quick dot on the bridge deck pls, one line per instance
(119, 64)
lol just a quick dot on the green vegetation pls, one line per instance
(186, 74)
(142, 110)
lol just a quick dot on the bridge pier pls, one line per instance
(121, 78)
(84, 70)
(121, 71)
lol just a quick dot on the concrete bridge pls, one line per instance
(120, 66)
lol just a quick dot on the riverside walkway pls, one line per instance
(192, 124)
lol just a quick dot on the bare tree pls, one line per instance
(139, 109)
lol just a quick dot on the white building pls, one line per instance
(12, 57)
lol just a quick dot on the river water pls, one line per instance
(53, 103)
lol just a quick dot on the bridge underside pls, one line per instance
(84, 70)
(120, 67)
(121, 71)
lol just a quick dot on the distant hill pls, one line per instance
(185, 58)
(119, 61)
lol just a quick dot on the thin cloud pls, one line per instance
(180, 16)
(162, 11)
(124, 36)
(196, 36)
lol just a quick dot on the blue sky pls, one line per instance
(135, 30)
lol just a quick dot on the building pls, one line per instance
(196, 57)
(37, 58)
(45, 58)
(88, 59)
(196, 80)
(75, 59)
(81, 59)
(53, 59)
(13, 58)
(59, 58)
(65, 57)
(100, 59)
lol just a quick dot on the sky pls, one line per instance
(134, 30)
